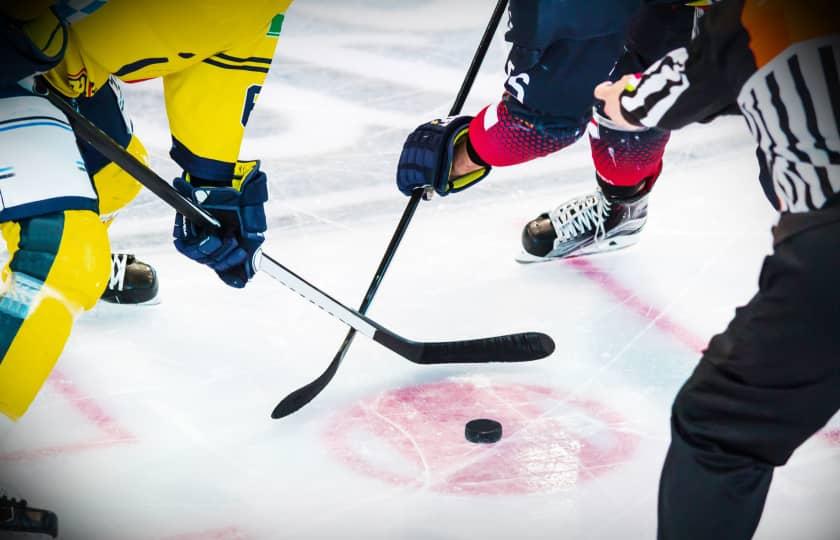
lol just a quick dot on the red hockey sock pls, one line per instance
(627, 158)
(502, 138)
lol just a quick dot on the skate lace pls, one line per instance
(580, 216)
(119, 262)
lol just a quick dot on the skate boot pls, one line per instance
(132, 281)
(17, 516)
(611, 218)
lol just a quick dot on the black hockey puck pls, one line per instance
(483, 430)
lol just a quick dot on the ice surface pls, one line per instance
(156, 423)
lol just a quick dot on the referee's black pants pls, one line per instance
(763, 387)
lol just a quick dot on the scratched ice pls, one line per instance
(156, 424)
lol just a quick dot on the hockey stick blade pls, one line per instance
(512, 348)
(303, 395)
(307, 393)
(523, 347)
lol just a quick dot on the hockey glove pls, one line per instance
(427, 155)
(231, 250)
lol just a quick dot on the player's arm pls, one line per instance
(208, 106)
(559, 52)
(690, 84)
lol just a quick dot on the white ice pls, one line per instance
(156, 422)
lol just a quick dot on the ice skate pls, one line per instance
(131, 282)
(595, 223)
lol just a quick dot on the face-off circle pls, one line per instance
(414, 436)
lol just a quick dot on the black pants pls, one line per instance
(763, 387)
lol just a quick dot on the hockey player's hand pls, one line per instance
(230, 250)
(428, 154)
(610, 93)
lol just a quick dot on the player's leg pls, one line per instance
(763, 387)
(132, 281)
(557, 55)
(627, 163)
(58, 245)
(58, 269)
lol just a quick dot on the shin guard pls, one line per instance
(59, 268)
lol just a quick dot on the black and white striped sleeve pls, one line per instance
(690, 84)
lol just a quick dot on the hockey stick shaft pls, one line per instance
(108, 147)
(473, 351)
(522, 347)
(294, 282)
(478, 57)
(305, 394)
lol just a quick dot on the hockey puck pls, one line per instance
(483, 430)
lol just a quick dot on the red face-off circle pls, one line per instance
(414, 436)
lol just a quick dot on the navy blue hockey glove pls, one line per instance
(427, 155)
(230, 251)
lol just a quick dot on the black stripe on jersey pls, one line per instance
(829, 64)
(241, 68)
(784, 119)
(255, 59)
(652, 99)
(23, 118)
(7, 175)
(825, 183)
(751, 123)
(810, 111)
(140, 64)
(788, 188)
(52, 37)
(762, 124)
(795, 178)
(765, 177)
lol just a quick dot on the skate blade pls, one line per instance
(604, 246)
(523, 257)
(115, 305)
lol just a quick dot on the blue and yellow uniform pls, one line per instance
(213, 58)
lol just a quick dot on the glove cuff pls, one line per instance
(473, 153)
(459, 183)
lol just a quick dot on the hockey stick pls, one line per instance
(520, 347)
(307, 393)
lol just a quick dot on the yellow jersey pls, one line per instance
(213, 56)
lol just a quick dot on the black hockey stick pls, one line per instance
(521, 347)
(307, 393)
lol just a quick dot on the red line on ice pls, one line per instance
(90, 410)
(228, 533)
(632, 301)
(53, 451)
